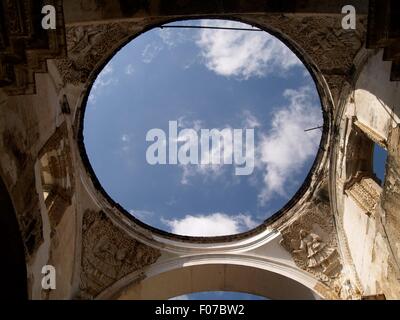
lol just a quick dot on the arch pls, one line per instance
(262, 277)
(12, 266)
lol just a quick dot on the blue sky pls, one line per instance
(379, 162)
(204, 79)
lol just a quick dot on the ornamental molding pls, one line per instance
(109, 254)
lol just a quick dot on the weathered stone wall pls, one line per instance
(364, 206)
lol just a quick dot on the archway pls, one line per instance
(270, 279)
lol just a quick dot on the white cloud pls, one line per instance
(104, 79)
(207, 171)
(184, 122)
(286, 147)
(167, 36)
(243, 54)
(173, 37)
(250, 121)
(224, 152)
(214, 224)
(129, 69)
(150, 52)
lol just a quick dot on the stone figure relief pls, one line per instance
(365, 193)
(108, 254)
(314, 250)
(311, 241)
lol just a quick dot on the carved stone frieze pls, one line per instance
(331, 48)
(312, 243)
(108, 254)
(90, 45)
(364, 192)
(57, 174)
(25, 46)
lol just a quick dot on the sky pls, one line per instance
(379, 162)
(204, 79)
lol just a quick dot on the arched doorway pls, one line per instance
(268, 279)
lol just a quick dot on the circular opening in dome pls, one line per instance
(203, 127)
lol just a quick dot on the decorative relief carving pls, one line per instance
(363, 190)
(108, 254)
(360, 185)
(57, 174)
(322, 38)
(90, 45)
(330, 46)
(314, 251)
(19, 58)
(312, 243)
(311, 239)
